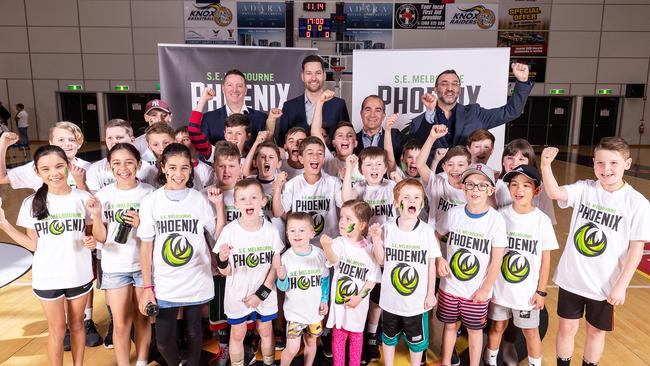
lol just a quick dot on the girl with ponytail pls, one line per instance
(55, 219)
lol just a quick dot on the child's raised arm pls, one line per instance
(375, 232)
(553, 190)
(248, 163)
(317, 120)
(6, 139)
(99, 228)
(215, 196)
(274, 114)
(437, 131)
(388, 142)
(326, 243)
(278, 183)
(347, 192)
(198, 138)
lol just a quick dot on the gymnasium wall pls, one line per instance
(46, 45)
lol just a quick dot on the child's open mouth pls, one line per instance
(266, 168)
(412, 209)
(314, 164)
(413, 170)
(249, 211)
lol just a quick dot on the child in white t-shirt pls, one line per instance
(314, 191)
(609, 227)
(304, 277)
(248, 252)
(100, 174)
(406, 247)
(158, 136)
(476, 238)
(174, 254)
(355, 274)
(203, 173)
(480, 145)
(56, 222)
(113, 207)
(520, 289)
(65, 135)
(291, 161)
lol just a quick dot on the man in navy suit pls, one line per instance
(300, 110)
(234, 89)
(462, 120)
(373, 113)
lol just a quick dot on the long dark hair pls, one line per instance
(174, 149)
(124, 146)
(39, 203)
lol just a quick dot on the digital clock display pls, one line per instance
(314, 27)
(313, 6)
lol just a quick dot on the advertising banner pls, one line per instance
(524, 43)
(471, 16)
(273, 75)
(529, 15)
(537, 67)
(369, 15)
(401, 77)
(210, 23)
(419, 16)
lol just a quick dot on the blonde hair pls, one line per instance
(70, 127)
(117, 122)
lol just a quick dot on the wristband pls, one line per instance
(541, 293)
(222, 264)
(263, 292)
(152, 287)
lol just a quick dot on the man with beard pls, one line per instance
(462, 120)
(373, 113)
(298, 112)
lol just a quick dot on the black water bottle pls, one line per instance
(123, 231)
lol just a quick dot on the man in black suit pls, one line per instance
(373, 113)
(300, 110)
(462, 120)
(234, 89)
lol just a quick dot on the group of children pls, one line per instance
(323, 240)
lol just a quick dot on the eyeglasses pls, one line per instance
(471, 185)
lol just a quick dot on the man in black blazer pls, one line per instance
(373, 113)
(462, 120)
(234, 89)
(299, 110)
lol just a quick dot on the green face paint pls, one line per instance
(401, 205)
(350, 228)
(65, 171)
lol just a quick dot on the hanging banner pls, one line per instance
(524, 43)
(537, 67)
(419, 16)
(211, 23)
(471, 16)
(529, 15)
(272, 74)
(369, 15)
(401, 77)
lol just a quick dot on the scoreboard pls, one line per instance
(314, 27)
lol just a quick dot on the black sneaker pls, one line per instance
(93, 339)
(280, 341)
(66, 340)
(455, 360)
(372, 348)
(423, 362)
(326, 342)
(108, 339)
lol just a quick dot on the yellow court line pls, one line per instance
(643, 274)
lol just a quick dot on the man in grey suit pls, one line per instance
(462, 120)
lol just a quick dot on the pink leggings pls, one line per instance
(339, 337)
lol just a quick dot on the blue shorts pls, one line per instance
(112, 281)
(252, 317)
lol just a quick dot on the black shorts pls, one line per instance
(415, 330)
(600, 314)
(374, 294)
(68, 293)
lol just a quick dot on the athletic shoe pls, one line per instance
(93, 339)
(280, 341)
(326, 342)
(66, 340)
(108, 339)
(423, 362)
(372, 349)
(455, 360)
(223, 356)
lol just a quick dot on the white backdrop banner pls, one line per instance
(401, 77)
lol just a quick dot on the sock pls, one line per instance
(141, 363)
(268, 360)
(587, 363)
(236, 359)
(88, 314)
(491, 356)
(563, 361)
(535, 361)
(372, 328)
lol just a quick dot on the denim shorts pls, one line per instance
(118, 280)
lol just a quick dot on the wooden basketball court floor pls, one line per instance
(23, 329)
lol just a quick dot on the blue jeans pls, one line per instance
(24, 138)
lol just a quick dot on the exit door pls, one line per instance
(81, 109)
(599, 118)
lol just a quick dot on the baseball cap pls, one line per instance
(157, 104)
(479, 169)
(528, 170)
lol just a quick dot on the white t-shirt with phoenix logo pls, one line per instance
(305, 274)
(356, 265)
(251, 258)
(320, 199)
(602, 226)
(529, 235)
(380, 199)
(60, 261)
(181, 256)
(406, 268)
(116, 257)
(469, 248)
